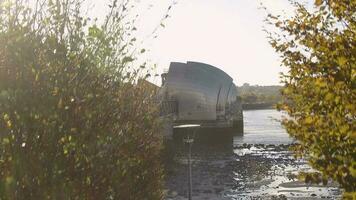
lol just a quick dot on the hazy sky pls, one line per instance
(224, 33)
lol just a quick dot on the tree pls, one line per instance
(318, 48)
(73, 122)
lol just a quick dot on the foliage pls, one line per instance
(260, 94)
(73, 122)
(318, 48)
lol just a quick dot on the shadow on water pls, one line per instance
(205, 140)
(212, 163)
(218, 171)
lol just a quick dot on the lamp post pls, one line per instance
(189, 139)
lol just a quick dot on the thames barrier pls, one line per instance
(198, 93)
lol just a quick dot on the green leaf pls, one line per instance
(127, 59)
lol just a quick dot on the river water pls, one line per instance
(255, 165)
(263, 127)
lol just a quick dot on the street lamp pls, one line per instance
(189, 139)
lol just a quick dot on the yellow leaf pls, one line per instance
(6, 141)
(308, 120)
(9, 124)
(60, 103)
(37, 77)
(9, 180)
(342, 61)
(329, 96)
(318, 2)
(6, 117)
(55, 91)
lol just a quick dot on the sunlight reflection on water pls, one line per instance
(263, 127)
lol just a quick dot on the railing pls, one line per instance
(168, 107)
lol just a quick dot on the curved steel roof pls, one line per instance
(201, 90)
(200, 64)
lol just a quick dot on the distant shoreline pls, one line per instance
(258, 106)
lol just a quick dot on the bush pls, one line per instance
(318, 48)
(73, 122)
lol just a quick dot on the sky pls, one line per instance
(227, 34)
(224, 33)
